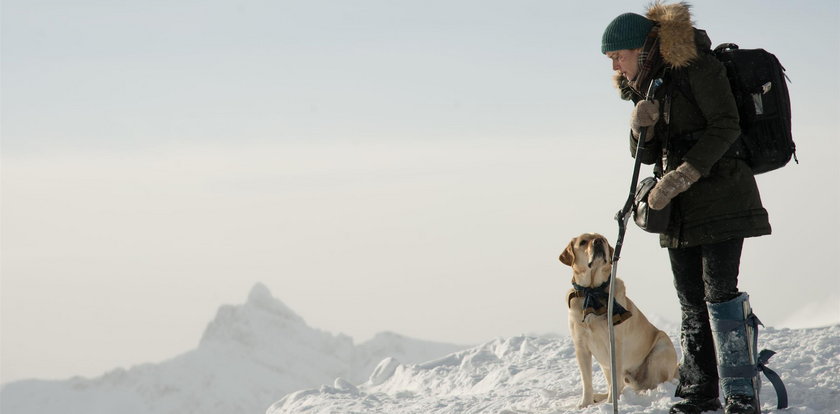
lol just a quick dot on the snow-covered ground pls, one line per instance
(261, 352)
(539, 375)
(250, 356)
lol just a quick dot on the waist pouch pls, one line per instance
(648, 219)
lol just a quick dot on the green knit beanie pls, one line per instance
(627, 31)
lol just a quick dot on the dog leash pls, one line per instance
(622, 217)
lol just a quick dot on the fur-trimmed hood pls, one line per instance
(676, 32)
(678, 39)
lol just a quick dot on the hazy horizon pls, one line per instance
(414, 167)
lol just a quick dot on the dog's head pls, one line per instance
(588, 254)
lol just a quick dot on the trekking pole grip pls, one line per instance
(640, 146)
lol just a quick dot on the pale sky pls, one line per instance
(412, 166)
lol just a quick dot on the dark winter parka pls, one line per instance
(699, 129)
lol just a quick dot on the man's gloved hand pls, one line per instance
(645, 114)
(671, 184)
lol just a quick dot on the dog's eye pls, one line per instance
(582, 243)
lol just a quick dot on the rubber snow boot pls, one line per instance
(695, 406)
(734, 330)
(742, 404)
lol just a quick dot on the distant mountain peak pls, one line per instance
(246, 323)
(259, 293)
(250, 355)
(261, 298)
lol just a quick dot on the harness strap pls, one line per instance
(592, 297)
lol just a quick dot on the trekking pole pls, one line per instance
(622, 217)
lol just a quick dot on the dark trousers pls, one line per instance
(706, 273)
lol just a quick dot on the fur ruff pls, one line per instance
(676, 32)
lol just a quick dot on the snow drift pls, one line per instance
(261, 352)
(249, 356)
(539, 375)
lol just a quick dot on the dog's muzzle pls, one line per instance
(599, 251)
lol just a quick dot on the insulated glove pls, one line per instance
(645, 114)
(671, 184)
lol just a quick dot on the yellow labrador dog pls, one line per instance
(645, 356)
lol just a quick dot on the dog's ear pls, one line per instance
(568, 255)
(612, 253)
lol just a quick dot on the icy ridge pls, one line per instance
(539, 375)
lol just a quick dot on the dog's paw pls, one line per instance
(586, 402)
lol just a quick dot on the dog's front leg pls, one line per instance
(584, 359)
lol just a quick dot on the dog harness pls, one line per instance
(594, 299)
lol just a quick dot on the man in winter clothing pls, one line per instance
(692, 124)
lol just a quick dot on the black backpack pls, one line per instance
(758, 83)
